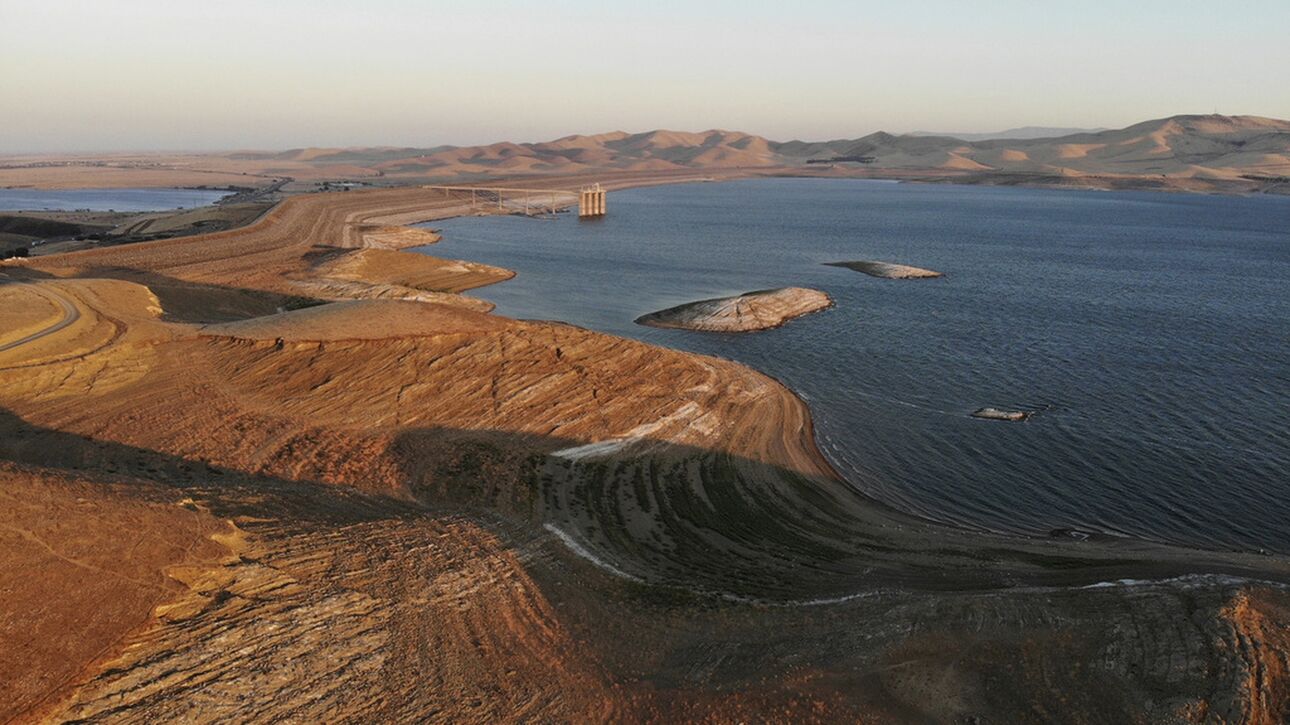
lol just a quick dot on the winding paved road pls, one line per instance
(70, 315)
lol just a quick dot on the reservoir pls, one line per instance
(128, 200)
(1148, 331)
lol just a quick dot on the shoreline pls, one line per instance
(1106, 538)
(1271, 186)
(394, 225)
(1164, 185)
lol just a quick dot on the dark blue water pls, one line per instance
(1152, 329)
(106, 199)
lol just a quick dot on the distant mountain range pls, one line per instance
(1209, 147)
(1025, 133)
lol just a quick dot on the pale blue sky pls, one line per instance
(140, 74)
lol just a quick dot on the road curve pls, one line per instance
(70, 315)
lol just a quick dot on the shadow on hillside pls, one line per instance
(184, 301)
(665, 514)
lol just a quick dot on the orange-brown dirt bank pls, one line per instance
(286, 471)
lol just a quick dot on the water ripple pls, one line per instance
(1151, 336)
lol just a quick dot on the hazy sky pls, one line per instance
(219, 74)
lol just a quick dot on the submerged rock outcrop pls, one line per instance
(1014, 416)
(887, 270)
(750, 311)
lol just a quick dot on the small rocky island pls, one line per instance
(750, 311)
(887, 270)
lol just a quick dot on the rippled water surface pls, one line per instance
(106, 199)
(1153, 330)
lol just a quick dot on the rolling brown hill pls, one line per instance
(1203, 153)
(1186, 146)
